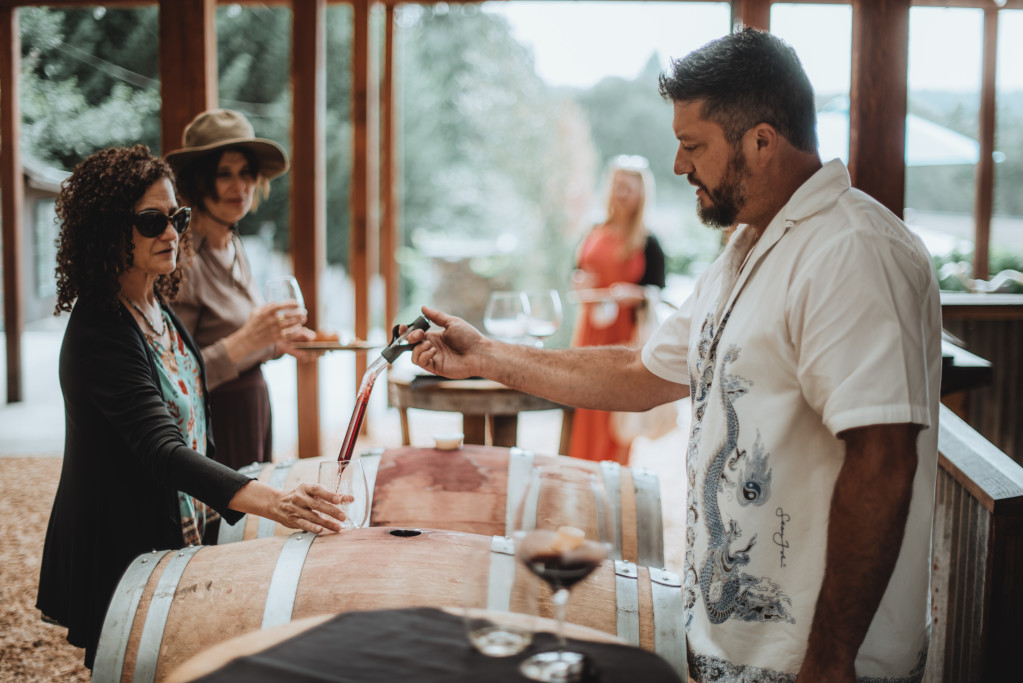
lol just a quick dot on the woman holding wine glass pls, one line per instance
(137, 470)
(562, 533)
(223, 170)
(616, 261)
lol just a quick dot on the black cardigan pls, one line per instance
(124, 462)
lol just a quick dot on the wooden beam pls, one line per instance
(308, 193)
(753, 13)
(389, 242)
(877, 109)
(188, 65)
(358, 255)
(12, 192)
(984, 187)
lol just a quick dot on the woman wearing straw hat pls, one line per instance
(223, 170)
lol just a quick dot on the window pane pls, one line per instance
(822, 37)
(509, 114)
(1007, 222)
(942, 128)
(253, 55)
(89, 81)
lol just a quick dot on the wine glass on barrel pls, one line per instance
(562, 533)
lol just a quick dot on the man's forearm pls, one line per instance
(866, 524)
(597, 377)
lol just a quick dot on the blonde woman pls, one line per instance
(616, 261)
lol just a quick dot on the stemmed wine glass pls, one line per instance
(506, 315)
(348, 478)
(545, 314)
(284, 288)
(562, 532)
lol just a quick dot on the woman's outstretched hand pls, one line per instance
(309, 507)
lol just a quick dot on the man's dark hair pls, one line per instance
(744, 79)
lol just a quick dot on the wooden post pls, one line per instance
(308, 193)
(388, 207)
(188, 65)
(753, 13)
(359, 206)
(877, 108)
(985, 184)
(12, 192)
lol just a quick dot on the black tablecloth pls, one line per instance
(424, 645)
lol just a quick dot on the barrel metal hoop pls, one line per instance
(156, 617)
(267, 527)
(627, 601)
(612, 472)
(502, 574)
(232, 533)
(280, 596)
(520, 465)
(669, 629)
(649, 522)
(113, 640)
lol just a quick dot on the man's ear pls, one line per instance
(763, 140)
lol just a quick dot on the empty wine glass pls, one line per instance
(545, 314)
(285, 288)
(506, 315)
(562, 533)
(348, 478)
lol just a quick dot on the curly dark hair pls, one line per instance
(96, 209)
(744, 79)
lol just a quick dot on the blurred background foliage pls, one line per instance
(501, 174)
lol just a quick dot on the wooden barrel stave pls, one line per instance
(222, 590)
(467, 490)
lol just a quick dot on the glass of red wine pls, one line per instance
(562, 533)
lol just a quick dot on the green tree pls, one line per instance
(486, 164)
(83, 90)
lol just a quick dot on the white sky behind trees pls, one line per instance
(578, 43)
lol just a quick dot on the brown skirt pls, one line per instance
(242, 431)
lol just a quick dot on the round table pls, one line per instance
(482, 403)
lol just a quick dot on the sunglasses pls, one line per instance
(152, 222)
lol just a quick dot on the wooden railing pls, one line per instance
(977, 560)
(991, 326)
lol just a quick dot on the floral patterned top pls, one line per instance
(181, 383)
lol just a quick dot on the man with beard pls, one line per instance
(811, 351)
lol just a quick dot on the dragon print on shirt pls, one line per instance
(727, 592)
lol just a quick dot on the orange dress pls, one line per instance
(600, 255)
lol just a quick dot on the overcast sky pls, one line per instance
(578, 43)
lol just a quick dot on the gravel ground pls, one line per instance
(30, 650)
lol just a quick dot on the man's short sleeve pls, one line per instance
(857, 320)
(666, 353)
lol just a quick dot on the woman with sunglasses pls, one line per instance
(137, 440)
(223, 170)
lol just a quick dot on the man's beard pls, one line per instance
(729, 197)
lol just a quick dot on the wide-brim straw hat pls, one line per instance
(219, 129)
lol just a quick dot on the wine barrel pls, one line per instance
(474, 489)
(171, 605)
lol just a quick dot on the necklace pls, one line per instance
(163, 324)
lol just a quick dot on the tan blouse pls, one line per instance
(214, 301)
